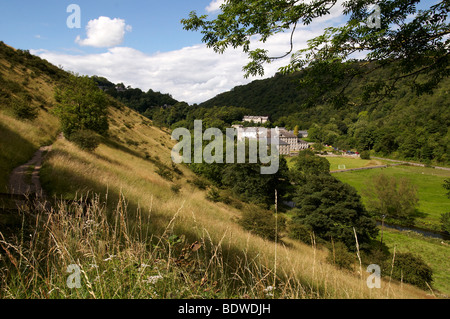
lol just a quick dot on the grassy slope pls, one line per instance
(119, 166)
(20, 139)
(125, 163)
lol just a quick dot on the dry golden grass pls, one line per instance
(19, 138)
(302, 271)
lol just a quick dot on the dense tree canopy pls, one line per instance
(393, 198)
(403, 125)
(331, 209)
(135, 98)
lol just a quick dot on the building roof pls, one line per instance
(273, 141)
(284, 133)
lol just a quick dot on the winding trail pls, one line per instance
(20, 182)
(24, 180)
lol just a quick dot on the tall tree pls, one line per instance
(392, 198)
(81, 106)
(331, 209)
(446, 185)
(307, 164)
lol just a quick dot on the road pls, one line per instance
(410, 163)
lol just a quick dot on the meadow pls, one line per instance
(347, 162)
(432, 196)
(435, 252)
(432, 203)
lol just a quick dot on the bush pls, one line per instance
(213, 195)
(413, 270)
(164, 172)
(445, 222)
(365, 155)
(199, 183)
(81, 106)
(175, 188)
(85, 139)
(300, 232)
(23, 109)
(340, 256)
(262, 223)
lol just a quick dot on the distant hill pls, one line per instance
(268, 96)
(402, 125)
(135, 98)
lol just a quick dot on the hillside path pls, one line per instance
(20, 181)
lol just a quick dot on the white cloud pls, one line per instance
(193, 74)
(214, 6)
(104, 32)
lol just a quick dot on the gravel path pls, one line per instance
(20, 182)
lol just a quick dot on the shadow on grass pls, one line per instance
(228, 261)
(14, 151)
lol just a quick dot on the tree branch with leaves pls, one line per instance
(414, 43)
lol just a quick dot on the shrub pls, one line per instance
(81, 106)
(164, 172)
(445, 222)
(262, 223)
(23, 109)
(199, 183)
(340, 256)
(300, 232)
(412, 269)
(85, 139)
(365, 155)
(175, 188)
(213, 195)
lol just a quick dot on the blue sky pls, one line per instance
(155, 24)
(153, 52)
(140, 43)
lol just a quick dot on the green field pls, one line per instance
(336, 163)
(432, 196)
(435, 253)
(432, 202)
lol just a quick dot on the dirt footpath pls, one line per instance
(25, 178)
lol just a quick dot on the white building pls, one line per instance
(296, 144)
(255, 119)
(287, 141)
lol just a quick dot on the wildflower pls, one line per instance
(153, 279)
(268, 291)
